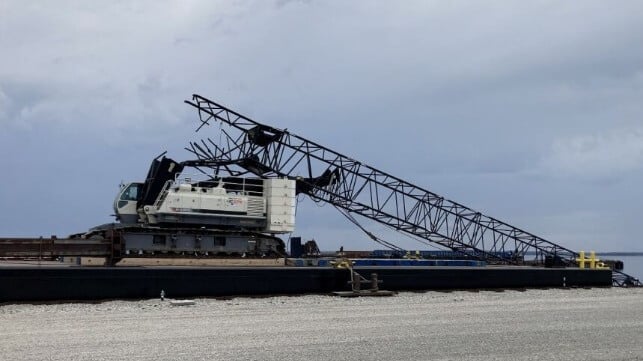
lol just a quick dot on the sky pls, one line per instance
(528, 111)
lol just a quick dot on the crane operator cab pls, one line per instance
(125, 202)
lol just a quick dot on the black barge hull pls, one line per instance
(43, 283)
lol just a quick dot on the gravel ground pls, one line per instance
(587, 324)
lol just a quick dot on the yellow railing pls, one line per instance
(592, 261)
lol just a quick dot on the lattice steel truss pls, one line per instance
(326, 175)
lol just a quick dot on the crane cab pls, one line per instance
(126, 202)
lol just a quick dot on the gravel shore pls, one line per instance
(557, 324)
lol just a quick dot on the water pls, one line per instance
(633, 264)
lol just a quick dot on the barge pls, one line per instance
(35, 283)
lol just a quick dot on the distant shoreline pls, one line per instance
(625, 254)
(620, 253)
(531, 253)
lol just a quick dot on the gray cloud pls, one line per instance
(613, 155)
(528, 111)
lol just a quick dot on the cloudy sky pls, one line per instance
(531, 112)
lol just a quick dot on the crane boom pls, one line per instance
(328, 176)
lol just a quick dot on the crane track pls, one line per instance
(108, 241)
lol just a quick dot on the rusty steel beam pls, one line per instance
(53, 247)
